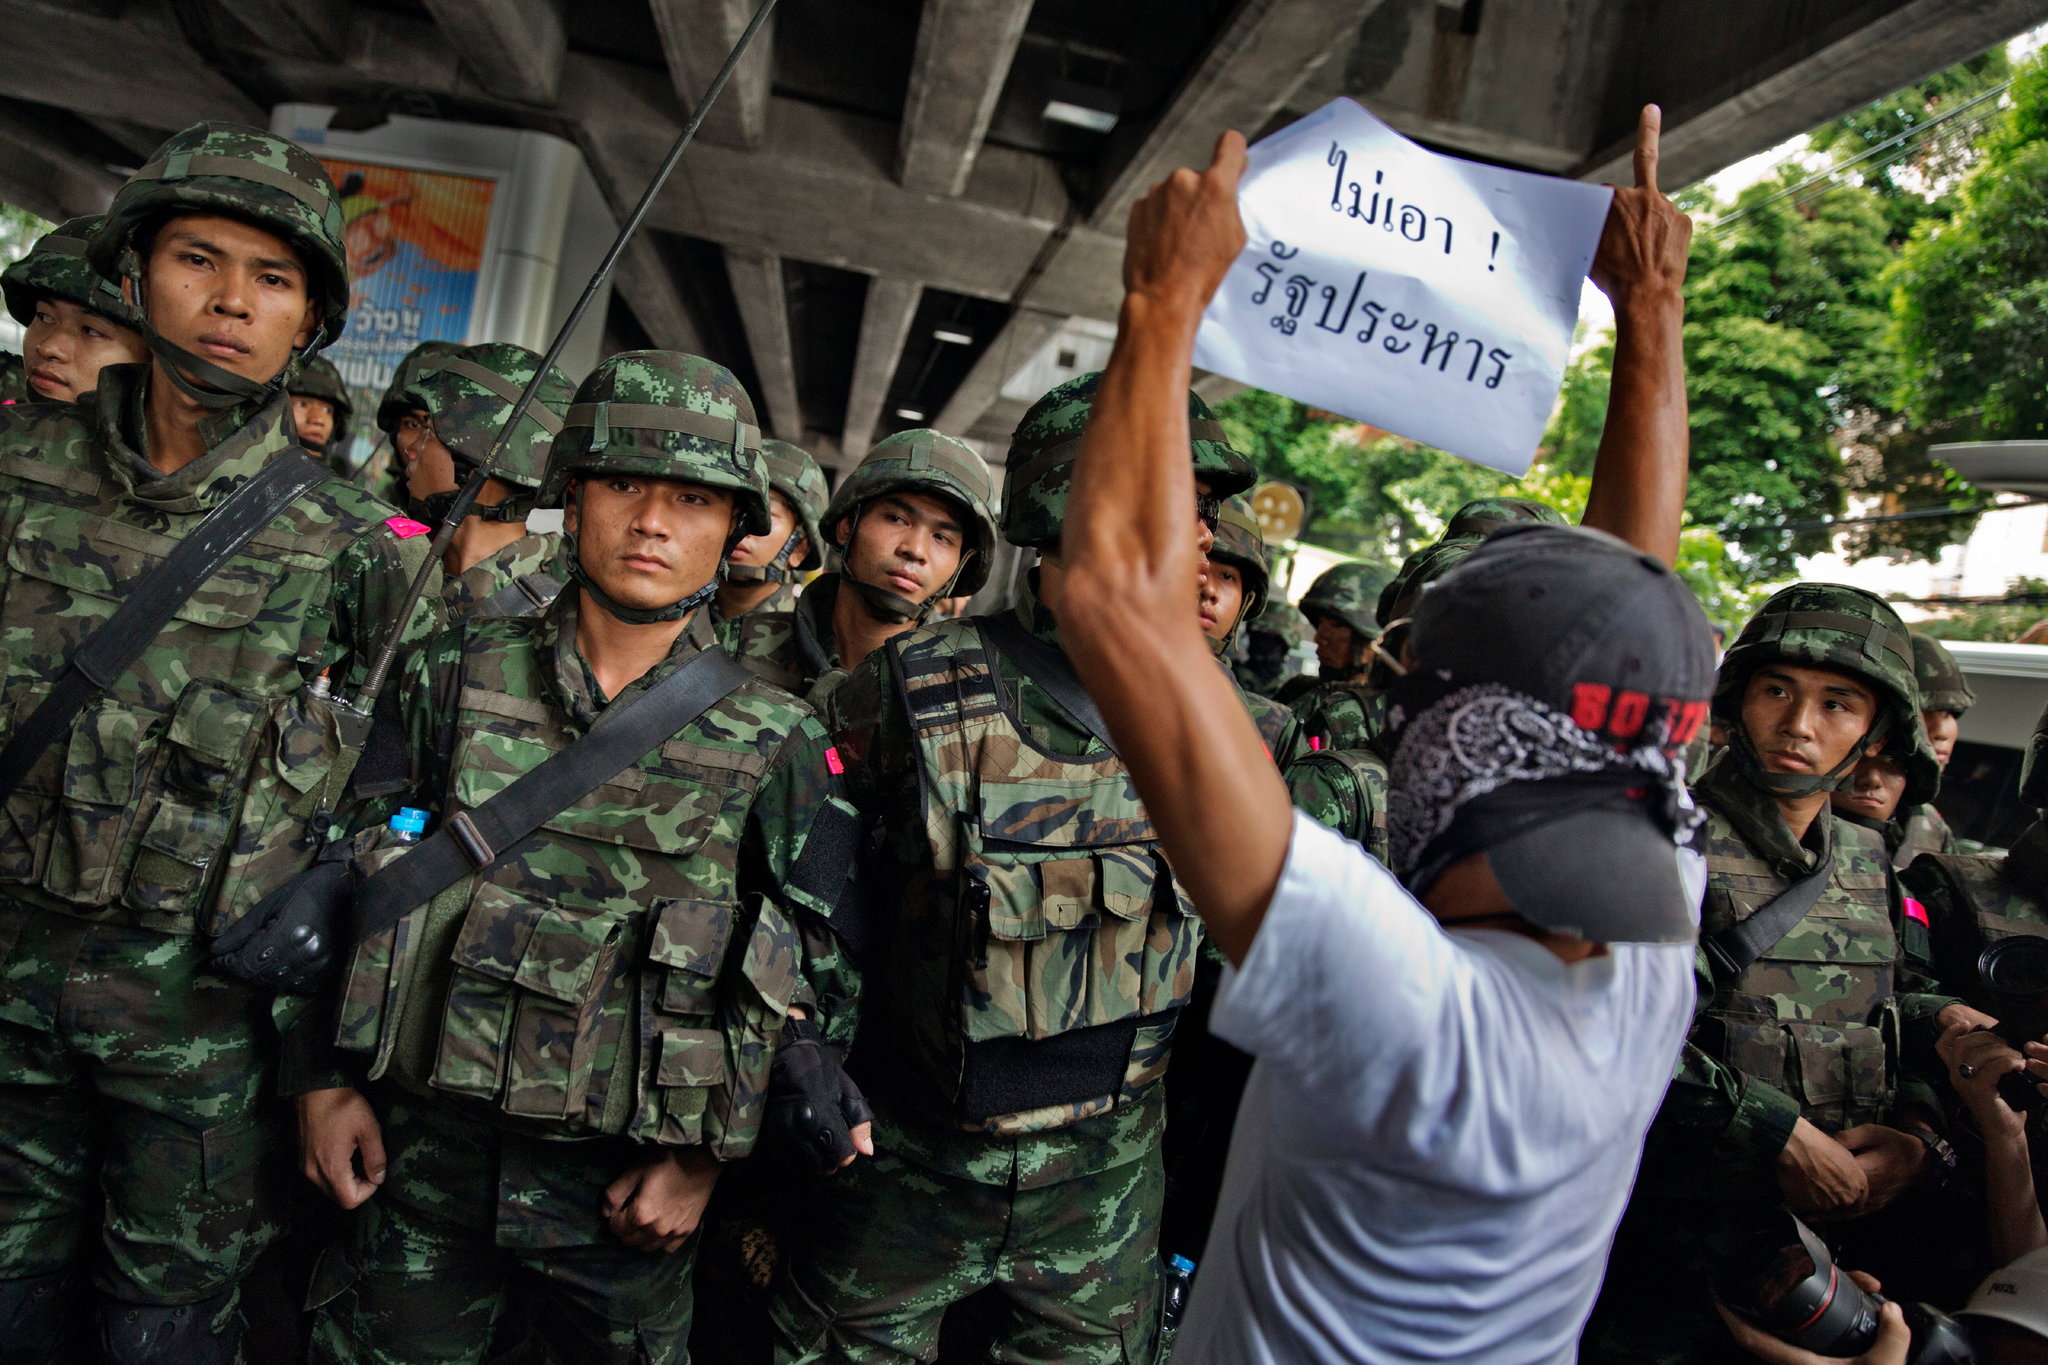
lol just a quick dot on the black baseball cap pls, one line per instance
(1577, 669)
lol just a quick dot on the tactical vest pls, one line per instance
(1923, 831)
(1350, 785)
(605, 976)
(183, 791)
(1043, 958)
(1991, 907)
(1816, 1016)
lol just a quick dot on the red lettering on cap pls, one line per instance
(1690, 717)
(1915, 910)
(832, 762)
(405, 528)
(1630, 710)
(1589, 705)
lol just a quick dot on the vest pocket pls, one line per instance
(1839, 1074)
(691, 1063)
(95, 803)
(200, 788)
(526, 1004)
(689, 946)
(26, 828)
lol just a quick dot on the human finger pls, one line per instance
(1227, 163)
(618, 1196)
(864, 1138)
(371, 1147)
(1869, 1283)
(1649, 128)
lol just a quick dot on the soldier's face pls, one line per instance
(762, 549)
(908, 543)
(314, 417)
(1222, 597)
(1336, 643)
(1874, 789)
(649, 543)
(66, 345)
(1942, 729)
(1805, 721)
(429, 465)
(230, 292)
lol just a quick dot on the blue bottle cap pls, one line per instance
(409, 820)
(1181, 1263)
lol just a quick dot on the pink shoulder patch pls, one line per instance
(405, 528)
(1915, 910)
(834, 763)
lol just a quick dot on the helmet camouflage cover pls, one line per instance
(471, 392)
(56, 268)
(1283, 619)
(319, 379)
(394, 404)
(1943, 687)
(242, 173)
(1240, 542)
(1832, 625)
(924, 460)
(1351, 593)
(1481, 517)
(664, 415)
(794, 474)
(1048, 440)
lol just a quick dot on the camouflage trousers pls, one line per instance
(894, 1243)
(471, 1218)
(132, 1111)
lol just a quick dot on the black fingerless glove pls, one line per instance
(289, 940)
(813, 1105)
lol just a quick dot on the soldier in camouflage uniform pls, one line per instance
(1340, 604)
(1271, 638)
(321, 411)
(135, 1145)
(382, 472)
(1023, 977)
(1790, 1087)
(455, 408)
(563, 1047)
(912, 527)
(1944, 696)
(763, 571)
(1234, 590)
(74, 320)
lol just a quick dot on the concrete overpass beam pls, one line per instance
(764, 311)
(643, 280)
(696, 35)
(964, 50)
(513, 48)
(884, 323)
(313, 29)
(137, 67)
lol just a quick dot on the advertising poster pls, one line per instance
(415, 246)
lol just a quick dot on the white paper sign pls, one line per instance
(1424, 294)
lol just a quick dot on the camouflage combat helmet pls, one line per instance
(1831, 625)
(394, 405)
(1939, 677)
(794, 474)
(243, 173)
(56, 268)
(469, 394)
(1397, 600)
(1350, 593)
(662, 415)
(1282, 618)
(319, 379)
(1048, 439)
(1239, 542)
(1481, 517)
(920, 460)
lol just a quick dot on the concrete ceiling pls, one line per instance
(880, 170)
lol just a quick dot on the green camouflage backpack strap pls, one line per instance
(56, 268)
(796, 476)
(1047, 441)
(661, 415)
(246, 174)
(1345, 789)
(1241, 544)
(469, 393)
(318, 378)
(1943, 685)
(1481, 517)
(1831, 625)
(922, 461)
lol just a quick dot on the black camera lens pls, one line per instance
(2016, 968)
(1784, 1281)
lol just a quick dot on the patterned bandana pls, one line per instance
(1476, 740)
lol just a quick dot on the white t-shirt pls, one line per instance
(1439, 1134)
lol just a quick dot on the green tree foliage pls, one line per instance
(1911, 150)
(2007, 621)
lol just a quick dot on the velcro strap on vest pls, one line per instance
(503, 387)
(741, 436)
(182, 165)
(1014, 1075)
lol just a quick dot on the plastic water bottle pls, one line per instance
(1173, 1295)
(409, 824)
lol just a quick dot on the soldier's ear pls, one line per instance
(569, 500)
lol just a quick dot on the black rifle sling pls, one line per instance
(475, 839)
(1730, 952)
(109, 651)
(1050, 669)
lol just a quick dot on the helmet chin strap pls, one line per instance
(433, 509)
(1801, 784)
(776, 570)
(644, 616)
(218, 388)
(889, 608)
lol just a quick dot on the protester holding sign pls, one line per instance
(1445, 1116)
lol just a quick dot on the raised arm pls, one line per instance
(1640, 471)
(1126, 603)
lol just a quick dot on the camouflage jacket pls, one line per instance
(1972, 900)
(1029, 902)
(797, 649)
(14, 380)
(519, 580)
(1278, 729)
(782, 599)
(1345, 789)
(1340, 715)
(626, 969)
(1924, 831)
(198, 781)
(1813, 1028)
